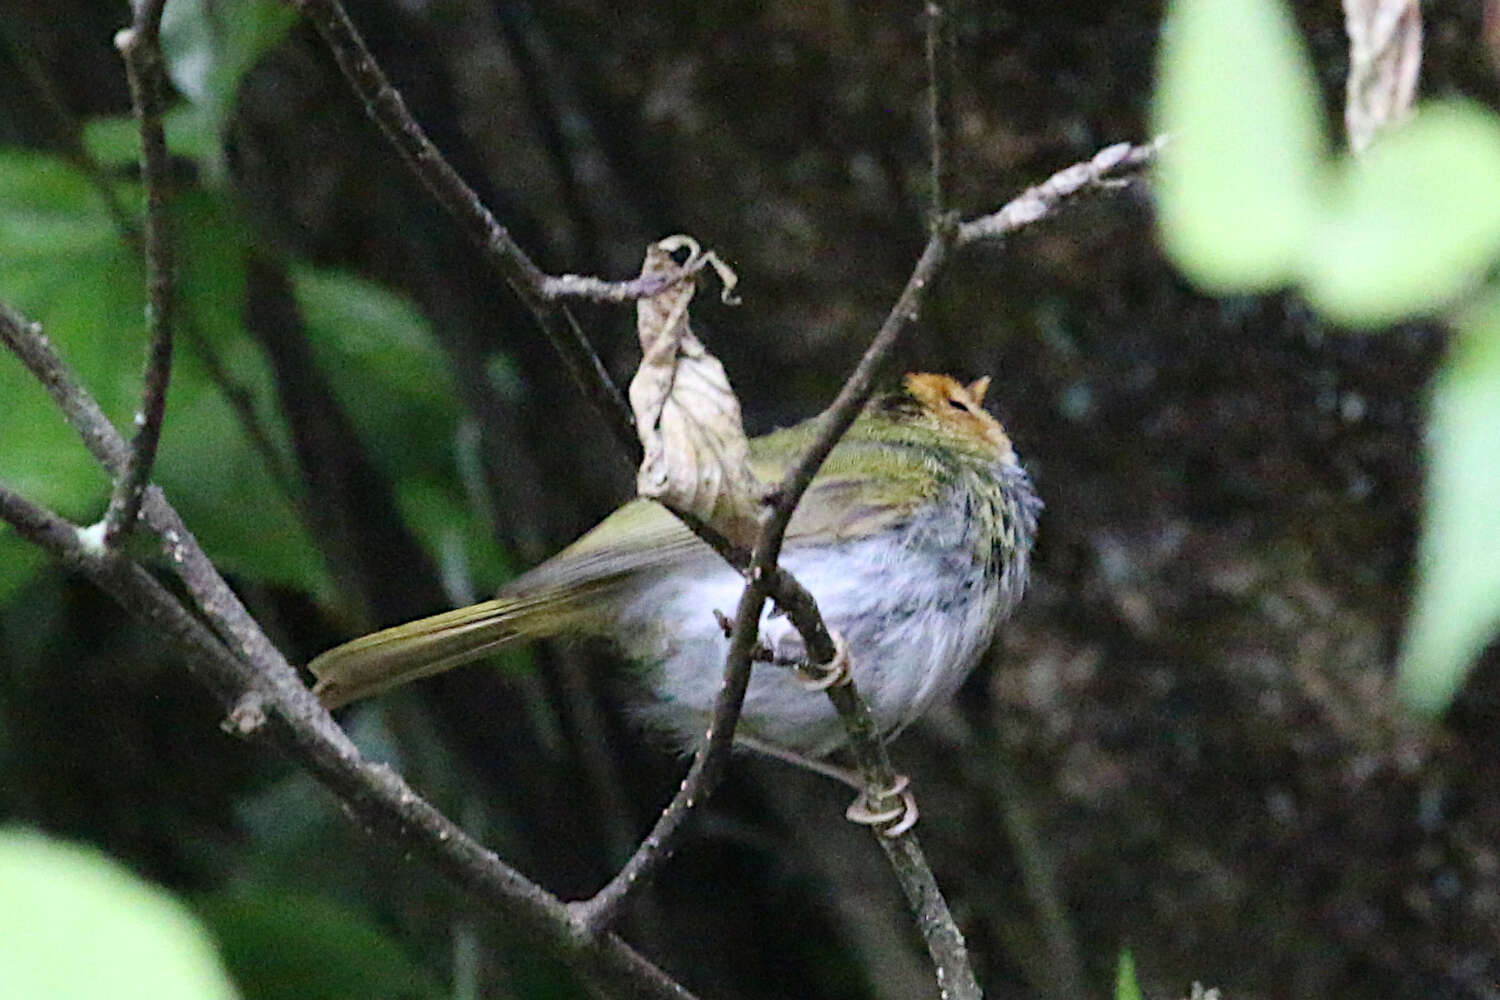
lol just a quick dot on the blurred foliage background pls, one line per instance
(1186, 740)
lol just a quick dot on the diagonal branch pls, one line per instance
(599, 911)
(267, 699)
(1111, 167)
(385, 104)
(140, 44)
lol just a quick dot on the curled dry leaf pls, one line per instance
(1385, 57)
(689, 419)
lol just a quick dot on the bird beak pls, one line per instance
(978, 388)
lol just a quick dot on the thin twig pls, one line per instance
(945, 943)
(581, 286)
(140, 44)
(1109, 167)
(70, 135)
(385, 104)
(68, 131)
(242, 401)
(939, 108)
(265, 696)
(598, 912)
(539, 292)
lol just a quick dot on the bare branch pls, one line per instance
(852, 398)
(265, 697)
(140, 44)
(1109, 167)
(945, 942)
(599, 912)
(385, 104)
(939, 108)
(582, 286)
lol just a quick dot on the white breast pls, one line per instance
(916, 611)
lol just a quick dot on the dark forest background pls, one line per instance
(1185, 741)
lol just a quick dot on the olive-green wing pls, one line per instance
(863, 487)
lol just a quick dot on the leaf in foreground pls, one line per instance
(1456, 608)
(77, 925)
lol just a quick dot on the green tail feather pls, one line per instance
(394, 656)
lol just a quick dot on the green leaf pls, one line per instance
(78, 926)
(287, 946)
(209, 46)
(116, 141)
(1126, 987)
(63, 266)
(1413, 223)
(1456, 609)
(1239, 179)
(389, 375)
(214, 476)
(49, 211)
(20, 560)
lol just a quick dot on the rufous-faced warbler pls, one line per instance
(915, 539)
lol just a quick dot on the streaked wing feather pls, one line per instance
(841, 503)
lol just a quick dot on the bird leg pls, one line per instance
(826, 675)
(902, 815)
(903, 810)
(844, 775)
(895, 805)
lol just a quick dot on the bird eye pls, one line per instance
(959, 405)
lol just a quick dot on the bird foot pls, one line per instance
(901, 813)
(826, 675)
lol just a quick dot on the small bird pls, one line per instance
(915, 539)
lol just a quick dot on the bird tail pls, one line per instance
(394, 656)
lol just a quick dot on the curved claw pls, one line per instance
(902, 816)
(832, 673)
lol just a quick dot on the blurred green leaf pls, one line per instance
(63, 266)
(66, 268)
(78, 926)
(284, 946)
(20, 560)
(116, 141)
(398, 389)
(209, 46)
(214, 476)
(48, 211)
(451, 530)
(1413, 223)
(1238, 184)
(375, 330)
(387, 372)
(1456, 610)
(1126, 987)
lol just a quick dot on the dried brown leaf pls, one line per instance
(696, 455)
(1385, 58)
